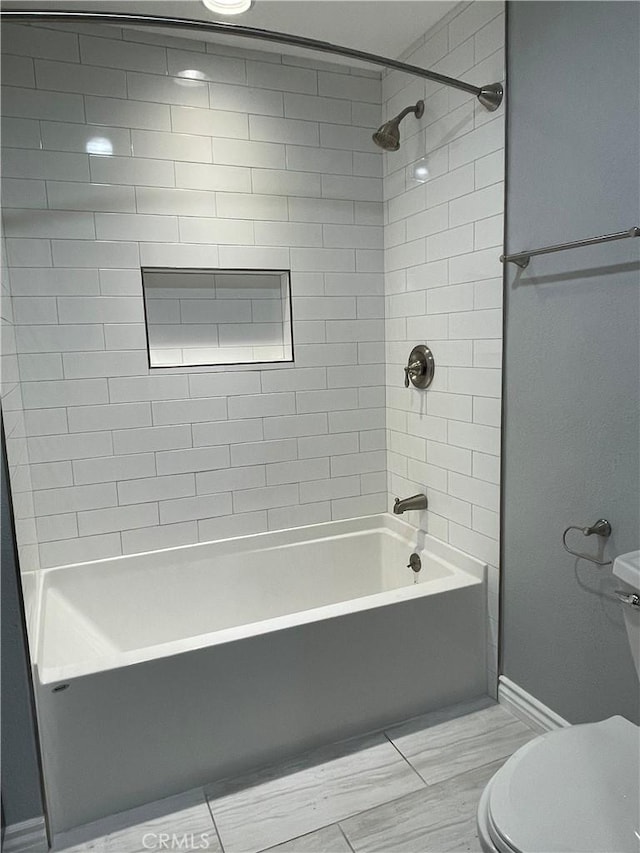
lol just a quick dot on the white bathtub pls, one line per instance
(162, 671)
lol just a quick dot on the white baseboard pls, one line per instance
(30, 836)
(529, 709)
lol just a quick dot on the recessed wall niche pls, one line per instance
(213, 317)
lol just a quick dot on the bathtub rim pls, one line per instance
(463, 570)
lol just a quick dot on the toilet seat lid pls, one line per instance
(575, 790)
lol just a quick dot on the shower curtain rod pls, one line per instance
(490, 96)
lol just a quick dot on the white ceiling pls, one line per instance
(385, 27)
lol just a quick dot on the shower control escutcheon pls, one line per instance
(420, 367)
(415, 562)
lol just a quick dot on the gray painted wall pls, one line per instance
(572, 374)
(21, 795)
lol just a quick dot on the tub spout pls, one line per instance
(414, 502)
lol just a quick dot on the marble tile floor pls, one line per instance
(413, 788)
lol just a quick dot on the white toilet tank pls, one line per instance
(626, 567)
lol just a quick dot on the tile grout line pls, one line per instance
(213, 820)
(404, 757)
(344, 835)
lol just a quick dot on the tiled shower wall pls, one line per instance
(443, 286)
(122, 149)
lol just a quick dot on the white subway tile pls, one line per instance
(191, 460)
(323, 260)
(26, 40)
(299, 516)
(170, 146)
(112, 53)
(317, 109)
(20, 193)
(97, 309)
(17, 71)
(204, 177)
(352, 88)
(426, 476)
(189, 411)
(60, 448)
(487, 410)
(128, 114)
(477, 205)
(51, 475)
(320, 210)
(108, 469)
(126, 336)
(40, 366)
(74, 498)
(132, 171)
(47, 165)
(114, 416)
(486, 522)
(165, 90)
(245, 100)
(103, 364)
(262, 406)
(301, 471)
(326, 401)
(254, 207)
(293, 132)
(226, 432)
(118, 518)
(328, 445)
(80, 550)
(279, 182)
(209, 122)
(261, 452)
(54, 527)
(152, 489)
(45, 421)
(357, 463)
(188, 509)
(358, 189)
(486, 467)
(474, 543)
(355, 507)
(470, 20)
(34, 310)
(242, 524)
(31, 103)
(449, 457)
(268, 75)
(45, 282)
(154, 438)
(295, 425)
(489, 169)
(88, 254)
(196, 230)
(226, 480)
(272, 496)
(62, 136)
(56, 393)
(476, 324)
(169, 201)
(222, 69)
(157, 538)
(483, 140)
(483, 382)
(67, 195)
(485, 439)
(306, 159)
(64, 77)
(487, 353)
(329, 489)
(477, 492)
(449, 507)
(178, 255)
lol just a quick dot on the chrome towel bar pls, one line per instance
(521, 259)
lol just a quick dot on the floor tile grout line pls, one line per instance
(213, 820)
(404, 757)
(344, 835)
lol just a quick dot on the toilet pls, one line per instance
(576, 789)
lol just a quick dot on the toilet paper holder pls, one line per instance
(601, 528)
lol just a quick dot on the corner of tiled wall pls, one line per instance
(443, 286)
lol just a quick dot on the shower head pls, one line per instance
(388, 136)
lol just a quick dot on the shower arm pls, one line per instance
(490, 96)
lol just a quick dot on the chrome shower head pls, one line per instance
(388, 136)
